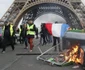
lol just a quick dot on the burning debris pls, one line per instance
(73, 51)
(74, 54)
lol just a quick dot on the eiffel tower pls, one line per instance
(72, 10)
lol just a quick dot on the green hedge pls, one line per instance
(80, 31)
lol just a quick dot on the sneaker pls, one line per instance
(75, 67)
(3, 51)
(26, 48)
(30, 50)
(12, 49)
(53, 45)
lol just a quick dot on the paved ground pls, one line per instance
(11, 61)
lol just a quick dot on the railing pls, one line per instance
(20, 0)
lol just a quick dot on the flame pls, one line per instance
(75, 54)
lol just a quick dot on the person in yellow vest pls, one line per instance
(31, 29)
(8, 33)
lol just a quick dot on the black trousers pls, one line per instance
(7, 41)
(55, 39)
(44, 39)
(1, 42)
(21, 39)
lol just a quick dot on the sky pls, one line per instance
(52, 19)
(5, 4)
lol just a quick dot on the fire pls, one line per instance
(74, 54)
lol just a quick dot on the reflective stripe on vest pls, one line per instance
(19, 31)
(11, 30)
(3, 30)
(30, 32)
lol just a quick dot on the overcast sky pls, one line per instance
(5, 4)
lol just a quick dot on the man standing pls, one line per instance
(36, 33)
(21, 34)
(25, 35)
(8, 33)
(31, 28)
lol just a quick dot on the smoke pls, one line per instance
(83, 1)
(50, 17)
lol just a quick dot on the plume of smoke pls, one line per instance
(50, 17)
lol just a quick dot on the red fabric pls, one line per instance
(49, 27)
(30, 41)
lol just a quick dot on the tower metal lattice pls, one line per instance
(72, 10)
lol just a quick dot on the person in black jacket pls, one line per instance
(1, 40)
(43, 34)
(56, 40)
(37, 33)
(8, 33)
(25, 35)
(21, 32)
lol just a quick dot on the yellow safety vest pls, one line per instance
(30, 32)
(11, 30)
(19, 31)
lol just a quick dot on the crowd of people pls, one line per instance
(45, 36)
(27, 32)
